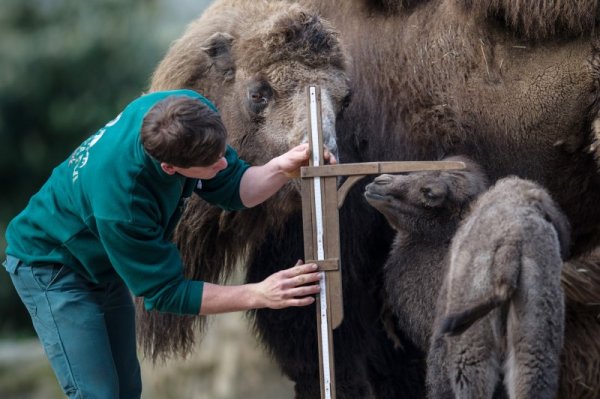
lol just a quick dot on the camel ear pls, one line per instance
(218, 48)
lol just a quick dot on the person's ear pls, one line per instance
(168, 168)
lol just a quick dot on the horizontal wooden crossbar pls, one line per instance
(373, 168)
(327, 264)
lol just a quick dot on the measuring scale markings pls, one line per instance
(320, 246)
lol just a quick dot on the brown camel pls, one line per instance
(512, 84)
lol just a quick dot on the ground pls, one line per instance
(228, 364)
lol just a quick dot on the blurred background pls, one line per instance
(66, 68)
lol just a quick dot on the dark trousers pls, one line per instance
(87, 329)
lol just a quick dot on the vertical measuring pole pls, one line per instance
(321, 200)
(316, 242)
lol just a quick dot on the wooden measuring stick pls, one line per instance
(321, 200)
(317, 192)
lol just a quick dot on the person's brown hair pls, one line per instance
(184, 132)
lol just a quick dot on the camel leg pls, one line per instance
(438, 384)
(473, 366)
(535, 328)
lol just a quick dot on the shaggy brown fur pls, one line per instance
(238, 54)
(541, 19)
(232, 54)
(530, 20)
(581, 360)
(501, 307)
(430, 78)
(391, 6)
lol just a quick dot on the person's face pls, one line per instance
(196, 172)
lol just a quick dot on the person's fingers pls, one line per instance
(329, 157)
(305, 279)
(303, 291)
(299, 301)
(298, 157)
(296, 289)
(302, 147)
(306, 149)
(298, 270)
(332, 160)
(301, 152)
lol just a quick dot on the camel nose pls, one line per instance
(383, 179)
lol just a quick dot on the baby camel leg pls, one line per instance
(535, 329)
(473, 363)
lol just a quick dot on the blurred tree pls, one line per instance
(66, 68)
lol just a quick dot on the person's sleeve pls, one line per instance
(224, 189)
(150, 266)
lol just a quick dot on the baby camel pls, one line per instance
(501, 308)
(502, 265)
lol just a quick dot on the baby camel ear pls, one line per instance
(218, 48)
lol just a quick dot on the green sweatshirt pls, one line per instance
(110, 208)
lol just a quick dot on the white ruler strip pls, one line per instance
(314, 125)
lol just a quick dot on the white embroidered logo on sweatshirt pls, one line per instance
(80, 156)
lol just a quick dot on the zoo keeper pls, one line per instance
(101, 227)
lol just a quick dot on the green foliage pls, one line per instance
(67, 67)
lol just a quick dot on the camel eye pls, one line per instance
(434, 194)
(345, 103)
(428, 193)
(346, 100)
(259, 95)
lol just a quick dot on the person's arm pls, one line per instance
(223, 190)
(291, 287)
(261, 182)
(150, 266)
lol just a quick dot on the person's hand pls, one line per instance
(290, 287)
(328, 157)
(291, 161)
